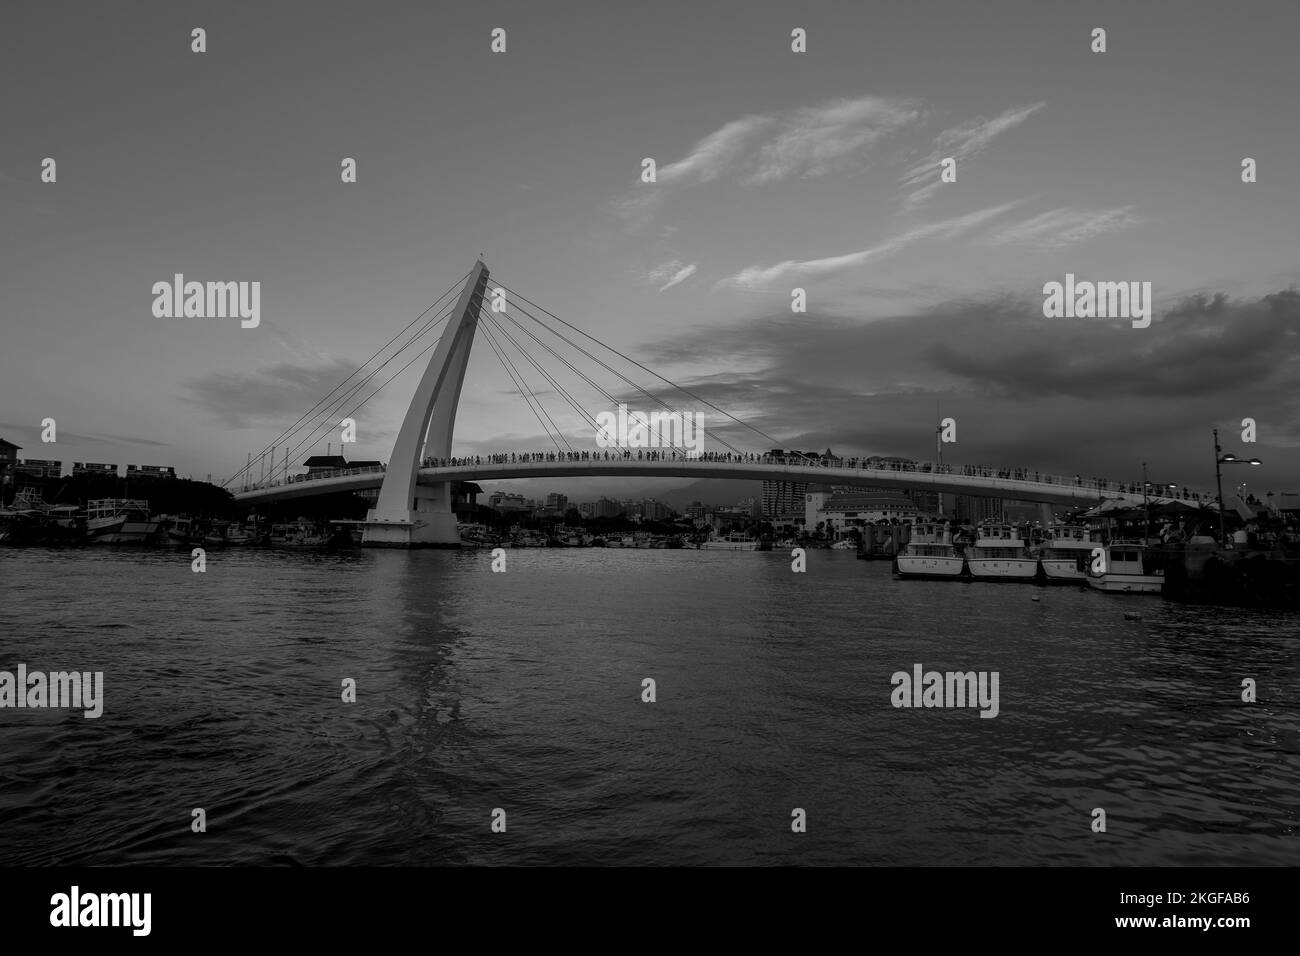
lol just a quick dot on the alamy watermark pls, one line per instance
(56, 689)
(1101, 300)
(624, 429)
(76, 909)
(208, 300)
(950, 689)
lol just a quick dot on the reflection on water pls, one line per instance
(522, 691)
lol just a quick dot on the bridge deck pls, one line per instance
(954, 479)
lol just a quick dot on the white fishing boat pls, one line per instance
(930, 554)
(1125, 569)
(1066, 552)
(736, 541)
(118, 521)
(1000, 554)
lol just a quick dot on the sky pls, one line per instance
(774, 170)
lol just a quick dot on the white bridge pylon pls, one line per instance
(409, 514)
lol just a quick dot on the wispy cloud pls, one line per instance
(814, 141)
(681, 276)
(712, 155)
(1063, 227)
(759, 149)
(755, 276)
(961, 143)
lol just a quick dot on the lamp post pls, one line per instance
(1229, 459)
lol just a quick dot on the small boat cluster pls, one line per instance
(128, 521)
(1060, 554)
(562, 536)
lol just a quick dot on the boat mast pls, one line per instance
(1146, 505)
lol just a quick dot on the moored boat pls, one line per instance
(1127, 568)
(929, 554)
(736, 541)
(1065, 553)
(185, 531)
(119, 521)
(1000, 554)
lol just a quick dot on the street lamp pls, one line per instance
(1229, 459)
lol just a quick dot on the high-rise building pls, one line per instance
(654, 510)
(785, 499)
(972, 509)
(781, 498)
(607, 508)
(557, 503)
(502, 501)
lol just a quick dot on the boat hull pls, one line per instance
(1063, 571)
(120, 531)
(929, 567)
(1113, 583)
(1003, 569)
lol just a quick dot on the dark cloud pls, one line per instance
(1065, 395)
(275, 395)
(1204, 344)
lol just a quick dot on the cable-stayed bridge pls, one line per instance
(414, 506)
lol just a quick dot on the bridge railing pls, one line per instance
(316, 476)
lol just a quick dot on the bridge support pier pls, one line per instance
(409, 515)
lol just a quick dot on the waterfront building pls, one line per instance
(731, 517)
(318, 463)
(150, 471)
(39, 468)
(464, 500)
(93, 468)
(505, 502)
(839, 512)
(8, 459)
